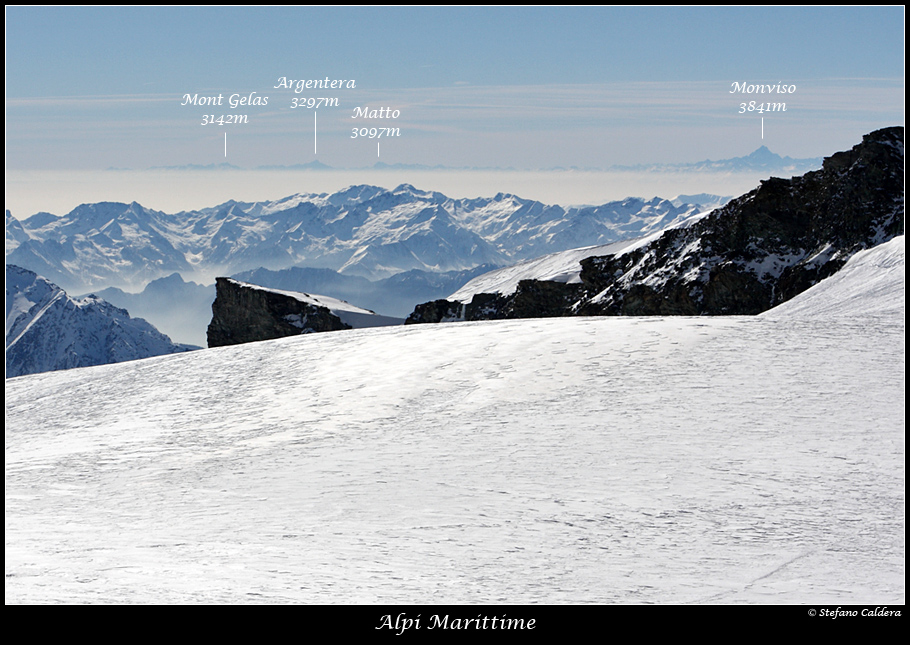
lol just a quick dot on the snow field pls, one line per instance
(683, 460)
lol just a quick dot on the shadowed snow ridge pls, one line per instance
(47, 330)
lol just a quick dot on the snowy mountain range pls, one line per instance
(47, 330)
(761, 160)
(363, 230)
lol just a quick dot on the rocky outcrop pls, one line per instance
(436, 311)
(764, 247)
(245, 313)
(531, 299)
(756, 252)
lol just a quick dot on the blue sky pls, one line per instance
(95, 87)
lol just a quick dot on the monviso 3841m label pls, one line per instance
(762, 106)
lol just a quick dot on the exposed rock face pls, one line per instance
(764, 247)
(245, 313)
(436, 311)
(532, 299)
(756, 252)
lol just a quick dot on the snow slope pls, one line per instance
(567, 460)
(562, 266)
(872, 282)
(559, 267)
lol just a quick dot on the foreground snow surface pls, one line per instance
(571, 460)
(591, 460)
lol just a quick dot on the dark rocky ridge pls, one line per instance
(532, 299)
(756, 252)
(244, 313)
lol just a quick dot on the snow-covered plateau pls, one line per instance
(567, 460)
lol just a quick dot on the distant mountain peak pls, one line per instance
(764, 153)
(762, 159)
(47, 330)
